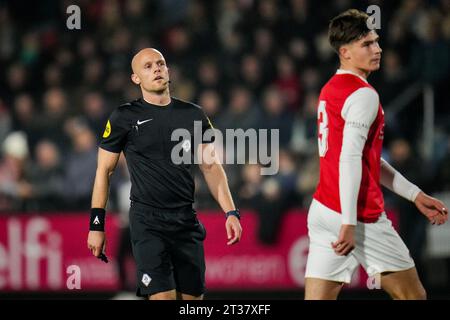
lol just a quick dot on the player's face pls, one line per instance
(365, 54)
(151, 71)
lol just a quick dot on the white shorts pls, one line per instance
(378, 247)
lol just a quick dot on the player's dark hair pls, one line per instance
(347, 27)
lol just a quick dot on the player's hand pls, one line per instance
(96, 242)
(234, 230)
(432, 208)
(346, 241)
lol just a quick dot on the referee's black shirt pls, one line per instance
(143, 132)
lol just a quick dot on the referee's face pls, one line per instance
(150, 71)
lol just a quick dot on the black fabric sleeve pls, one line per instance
(116, 131)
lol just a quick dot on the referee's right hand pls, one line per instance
(96, 242)
(234, 230)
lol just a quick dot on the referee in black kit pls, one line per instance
(167, 238)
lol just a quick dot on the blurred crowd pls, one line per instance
(248, 63)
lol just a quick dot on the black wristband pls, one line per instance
(233, 213)
(97, 222)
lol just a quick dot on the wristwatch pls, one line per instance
(233, 213)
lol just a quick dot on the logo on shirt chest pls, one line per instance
(139, 122)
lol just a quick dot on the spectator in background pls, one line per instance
(264, 50)
(412, 225)
(230, 38)
(95, 112)
(183, 87)
(5, 122)
(25, 118)
(443, 176)
(16, 81)
(212, 105)
(311, 79)
(8, 34)
(304, 134)
(393, 76)
(138, 22)
(252, 74)
(288, 82)
(12, 166)
(209, 76)
(307, 179)
(250, 187)
(93, 73)
(65, 61)
(80, 165)
(241, 112)
(52, 120)
(44, 179)
(53, 76)
(278, 195)
(275, 115)
(270, 196)
(180, 47)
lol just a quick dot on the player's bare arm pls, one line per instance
(106, 163)
(217, 182)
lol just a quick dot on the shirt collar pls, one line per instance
(343, 71)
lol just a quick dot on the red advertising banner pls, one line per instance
(48, 252)
(251, 265)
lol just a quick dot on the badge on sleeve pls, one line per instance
(107, 130)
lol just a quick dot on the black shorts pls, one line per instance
(168, 249)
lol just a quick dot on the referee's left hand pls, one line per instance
(234, 230)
